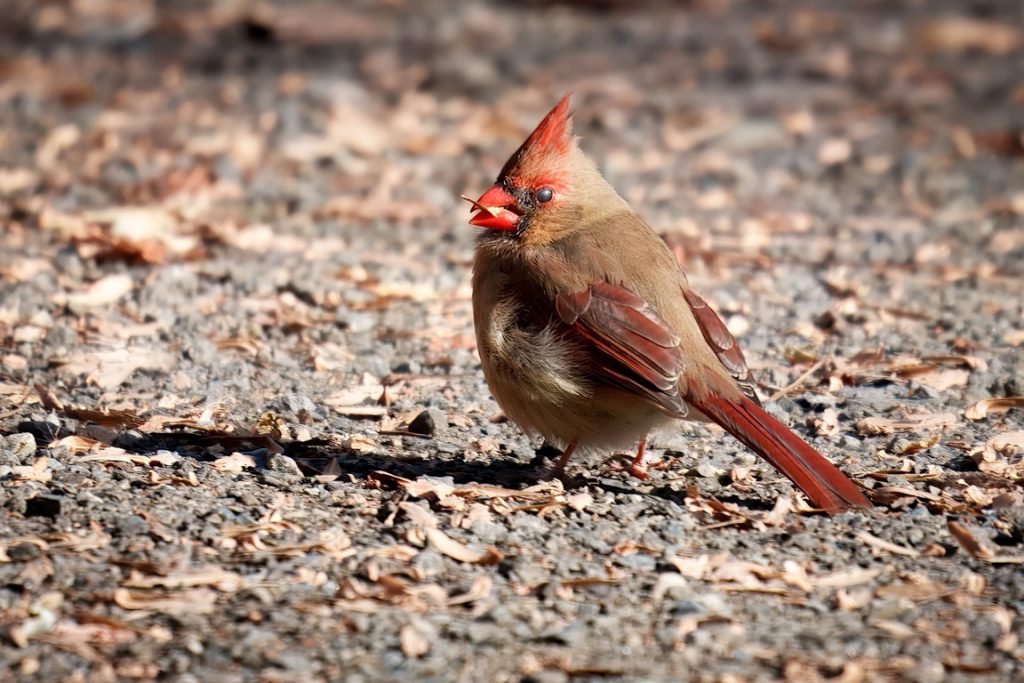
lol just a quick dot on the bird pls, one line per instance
(588, 332)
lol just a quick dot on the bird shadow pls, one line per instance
(324, 457)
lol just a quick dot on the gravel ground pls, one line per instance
(244, 435)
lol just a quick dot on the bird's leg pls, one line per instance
(637, 467)
(559, 469)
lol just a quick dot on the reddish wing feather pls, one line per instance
(721, 341)
(636, 349)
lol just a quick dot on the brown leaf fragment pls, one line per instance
(697, 567)
(973, 583)
(1008, 443)
(907, 491)
(234, 463)
(1014, 338)
(992, 406)
(210, 575)
(193, 601)
(38, 471)
(357, 443)
(961, 33)
(361, 411)
(780, 511)
(419, 515)
(579, 501)
(111, 367)
(882, 544)
(94, 539)
(977, 496)
(942, 379)
(456, 550)
(112, 419)
(970, 362)
(412, 642)
(834, 151)
(849, 601)
(587, 581)
(76, 444)
(846, 578)
(876, 425)
(904, 446)
(895, 629)
(976, 548)
(1002, 455)
(915, 587)
(156, 479)
(825, 424)
(115, 455)
(428, 487)
(106, 290)
(479, 590)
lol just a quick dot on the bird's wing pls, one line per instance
(721, 341)
(636, 350)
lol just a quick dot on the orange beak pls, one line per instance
(496, 209)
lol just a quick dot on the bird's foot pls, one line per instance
(558, 470)
(638, 470)
(638, 465)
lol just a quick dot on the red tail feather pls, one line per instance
(819, 479)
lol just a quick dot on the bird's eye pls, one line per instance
(544, 195)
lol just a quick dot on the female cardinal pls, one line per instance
(588, 332)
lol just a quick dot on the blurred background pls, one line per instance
(227, 218)
(702, 112)
(329, 141)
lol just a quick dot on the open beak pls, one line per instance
(496, 209)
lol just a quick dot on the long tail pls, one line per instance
(819, 479)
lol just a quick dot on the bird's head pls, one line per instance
(535, 182)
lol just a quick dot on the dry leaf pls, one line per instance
(429, 487)
(579, 501)
(886, 545)
(846, 578)
(993, 406)
(234, 463)
(412, 642)
(910, 446)
(76, 444)
(357, 443)
(1007, 443)
(825, 424)
(447, 545)
(37, 471)
(481, 589)
(210, 575)
(873, 426)
(849, 601)
(834, 151)
(194, 601)
(112, 367)
(960, 33)
(977, 548)
(419, 515)
(915, 587)
(1014, 337)
(104, 291)
(1002, 455)
(779, 512)
(115, 455)
(941, 380)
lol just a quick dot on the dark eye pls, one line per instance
(544, 195)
